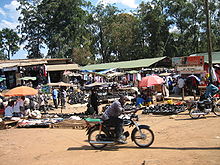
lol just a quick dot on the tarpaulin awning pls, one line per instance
(2, 79)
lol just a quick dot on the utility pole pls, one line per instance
(208, 31)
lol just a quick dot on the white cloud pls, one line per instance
(129, 3)
(10, 15)
(2, 12)
(12, 6)
(11, 10)
(8, 24)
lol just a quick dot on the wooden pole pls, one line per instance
(183, 93)
(208, 31)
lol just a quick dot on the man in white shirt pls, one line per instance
(18, 105)
(180, 84)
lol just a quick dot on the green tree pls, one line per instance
(9, 42)
(82, 56)
(61, 25)
(122, 33)
(31, 28)
(103, 17)
(154, 28)
(65, 24)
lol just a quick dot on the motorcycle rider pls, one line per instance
(111, 114)
(211, 90)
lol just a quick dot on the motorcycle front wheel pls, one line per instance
(143, 137)
(96, 136)
(216, 109)
(193, 113)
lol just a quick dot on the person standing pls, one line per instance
(63, 98)
(55, 97)
(42, 102)
(181, 84)
(94, 101)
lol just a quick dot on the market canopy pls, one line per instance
(95, 84)
(115, 74)
(28, 78)
(141, 63)
(61, 84)
(71, 74)
(132, 72)
(164, 74)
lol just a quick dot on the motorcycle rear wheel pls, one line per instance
(94, 135)
(144, 140)
(216, 109)
(192, 113)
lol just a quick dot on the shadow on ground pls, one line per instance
(116, 148)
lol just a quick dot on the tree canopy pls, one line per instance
(103, 33)
(9, 42)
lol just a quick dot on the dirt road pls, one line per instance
(178, 141)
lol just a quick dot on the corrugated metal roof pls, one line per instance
(32, 63)
(62, 67)
(215, 57)
(141, 63)
(8, 64)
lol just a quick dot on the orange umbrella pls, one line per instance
(150, 81)
(21, 91)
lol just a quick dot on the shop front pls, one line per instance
(10, 75)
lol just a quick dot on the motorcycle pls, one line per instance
(101, 135)
(204, 107)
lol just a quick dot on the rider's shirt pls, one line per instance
(114, 110)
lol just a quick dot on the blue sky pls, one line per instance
(9, 15)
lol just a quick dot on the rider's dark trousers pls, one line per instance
(117, 123)
(55, 103)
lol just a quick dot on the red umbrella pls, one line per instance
(150, 81)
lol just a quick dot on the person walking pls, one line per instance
(55, 97)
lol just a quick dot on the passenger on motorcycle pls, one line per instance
(111, 114)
